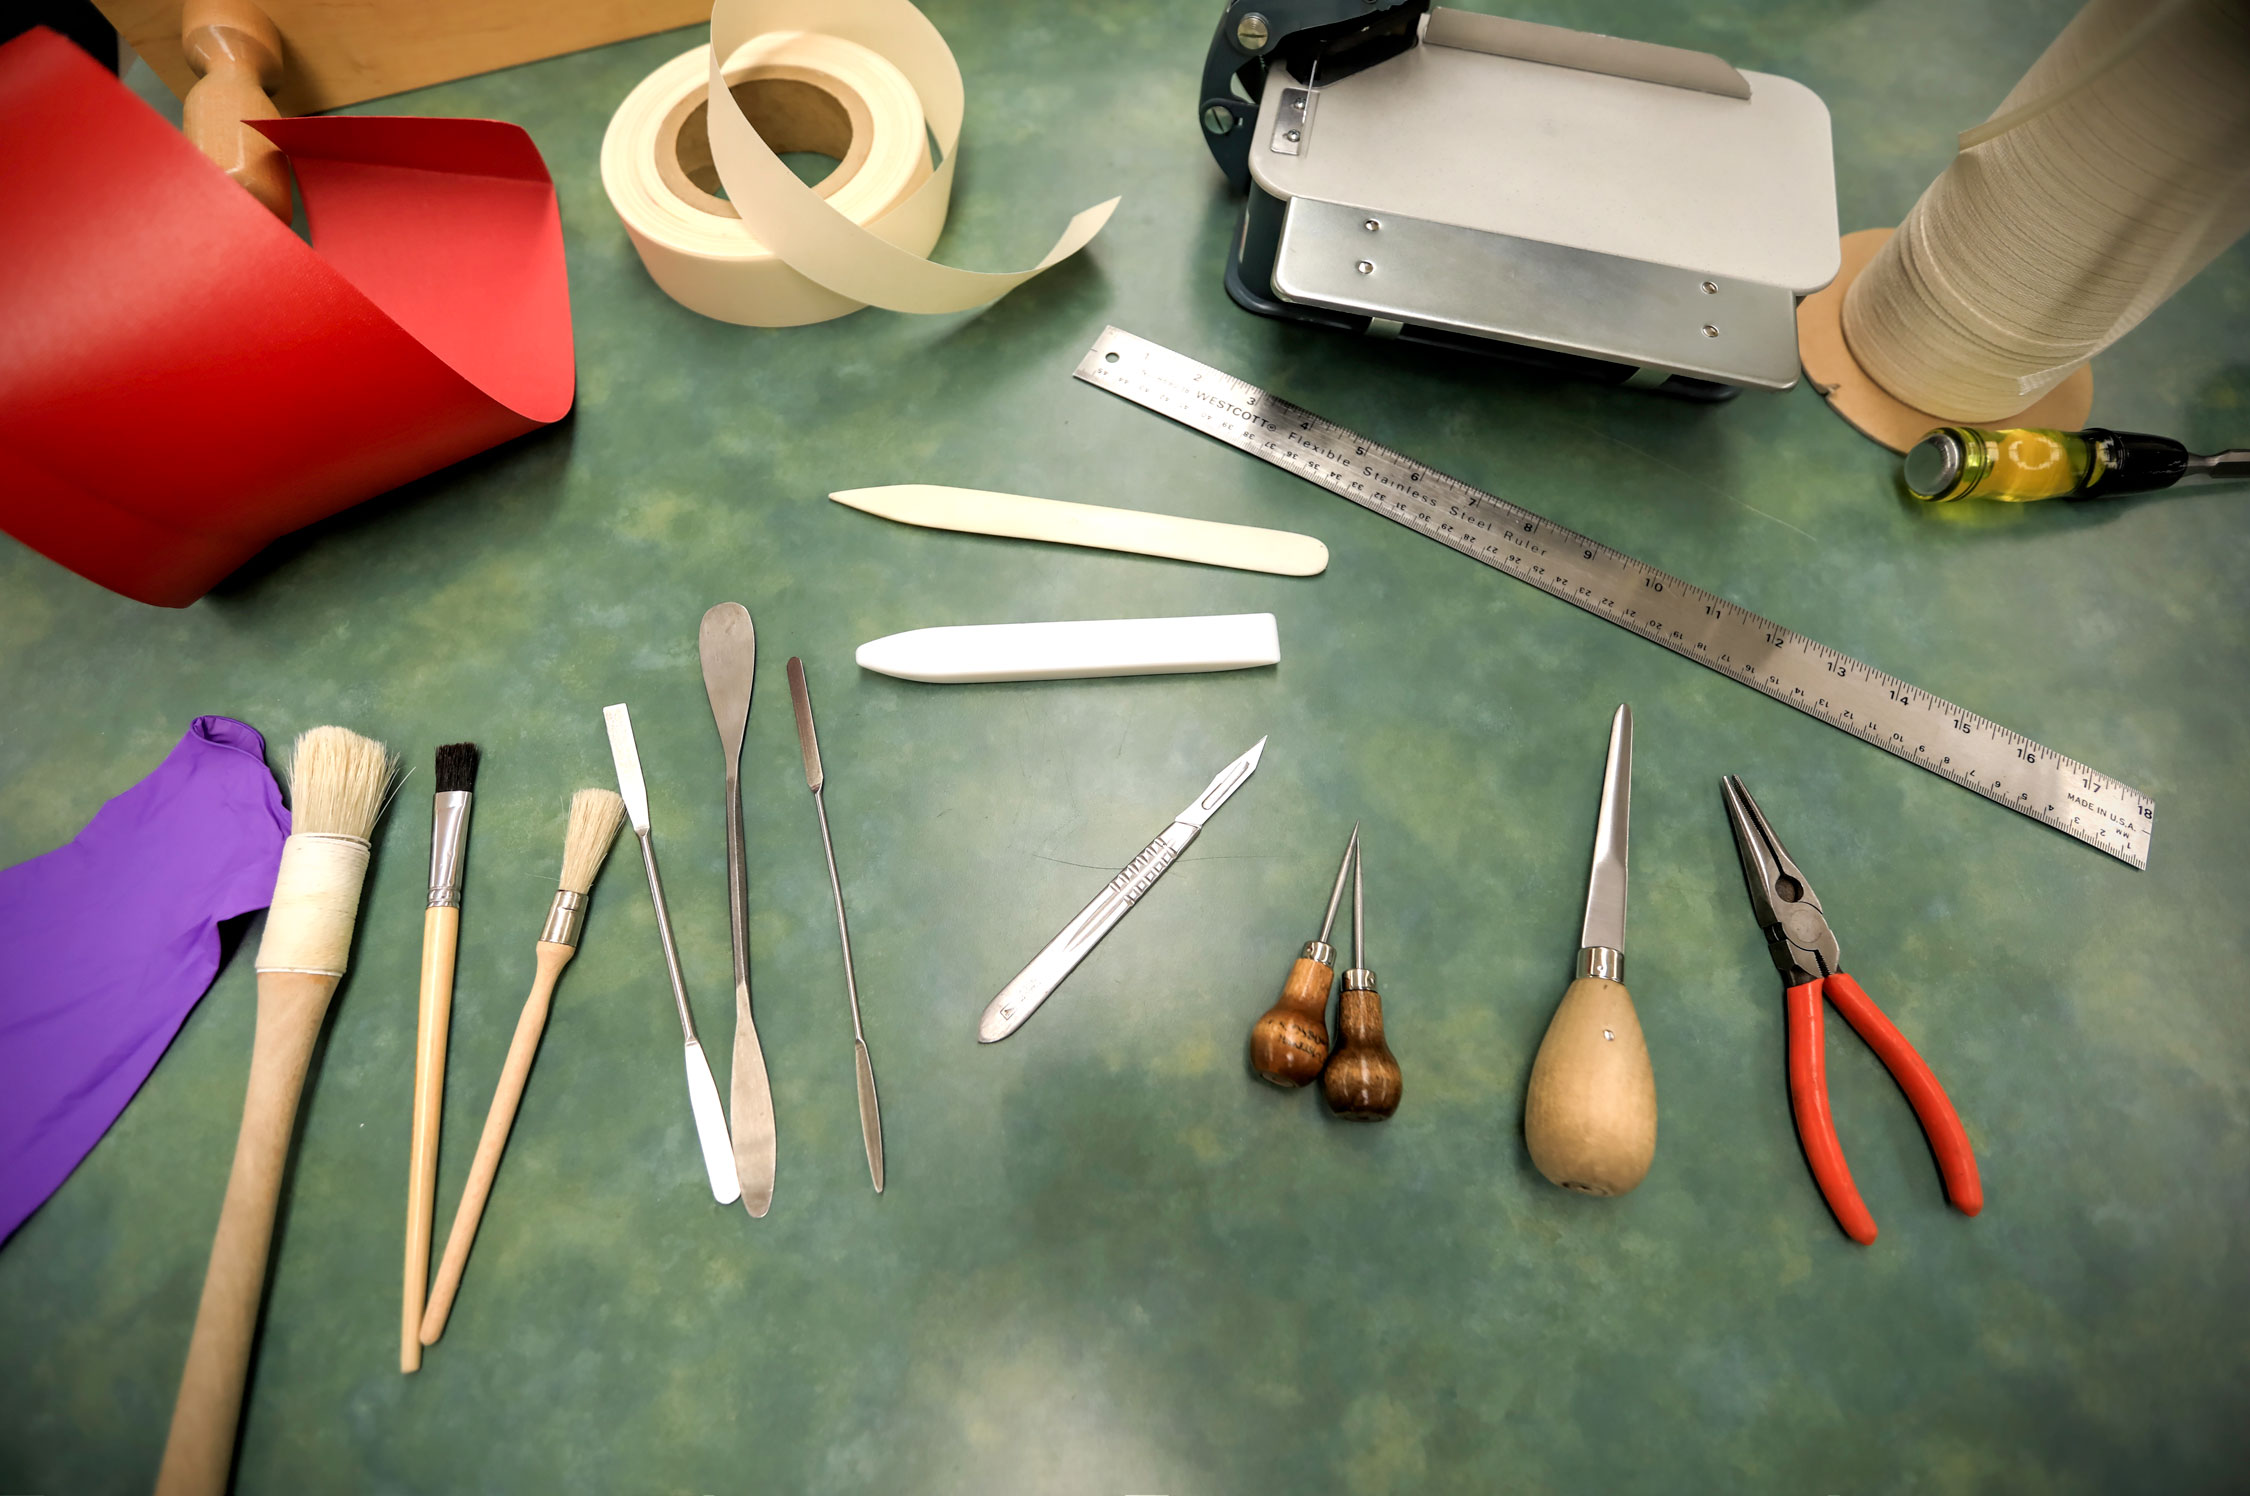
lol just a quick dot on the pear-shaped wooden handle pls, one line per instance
(1289, 1043)
(1590, 1114)
(1362, 1080)
(236, 49)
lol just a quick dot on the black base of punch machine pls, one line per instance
(1250, 283)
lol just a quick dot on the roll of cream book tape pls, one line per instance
(868, 81)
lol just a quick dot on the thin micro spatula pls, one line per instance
(808, 740)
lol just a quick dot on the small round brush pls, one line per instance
(441, 939)
(338, 782)
(594, 818)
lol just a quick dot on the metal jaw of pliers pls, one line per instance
(1804, 949)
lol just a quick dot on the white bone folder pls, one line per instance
(1019, 517)
(1065, 651)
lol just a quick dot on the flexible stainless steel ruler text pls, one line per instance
(1881, 709)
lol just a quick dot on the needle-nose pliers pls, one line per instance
(1805, 950)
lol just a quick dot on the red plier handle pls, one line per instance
(1808, 1097)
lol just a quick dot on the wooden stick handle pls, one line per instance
(200, 1448)
(236, 49)
(441, 937)
(552, 958)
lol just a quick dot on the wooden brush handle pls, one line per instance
(200, 1448)
(236, 49)
(441, 938)
(1589, 1116)
(552, 958)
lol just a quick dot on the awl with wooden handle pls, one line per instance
(1590, 1114)
(1289, 1042)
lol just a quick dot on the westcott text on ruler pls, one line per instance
(2000, 765)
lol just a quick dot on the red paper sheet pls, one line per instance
(182, 380)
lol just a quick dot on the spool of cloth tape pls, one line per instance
(183, 380)
(869, 82)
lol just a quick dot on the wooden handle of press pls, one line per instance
(441, 937)
(552, 958)
(236, 49)
(1590, 1114)
(200, 1448)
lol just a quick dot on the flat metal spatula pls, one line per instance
(729, 646)
(703, 1095)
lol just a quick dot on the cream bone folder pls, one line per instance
(1065, 651)
(1017, 517)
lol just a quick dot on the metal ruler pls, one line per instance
(2000, 765)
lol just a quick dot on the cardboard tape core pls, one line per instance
(867, 81)
(793, 109)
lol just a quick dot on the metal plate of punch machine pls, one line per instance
(1636, 204)
(1401, 269)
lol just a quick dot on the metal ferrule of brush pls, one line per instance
(1359, 979)
(1600, 961)
(449, 845)
(566, 919)
(1318, 950)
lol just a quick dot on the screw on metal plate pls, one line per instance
(1709, 331)
(1251, 33)
(1372, 225)
(1218, 119)
(1710, 288)
(1366, 267)
(1291, 121)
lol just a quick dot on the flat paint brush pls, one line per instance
(441, 936)
(595, 816)
(338, 784)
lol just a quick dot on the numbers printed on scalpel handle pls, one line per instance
(1979, 755)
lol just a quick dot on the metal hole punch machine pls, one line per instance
(1584, 205)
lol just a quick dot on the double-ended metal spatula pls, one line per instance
(729, 646)
(703, 1092)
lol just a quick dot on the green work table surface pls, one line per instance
(1108, 1259)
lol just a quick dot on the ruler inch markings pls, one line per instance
(1902, 719)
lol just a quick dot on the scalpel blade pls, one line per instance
(1037, 982)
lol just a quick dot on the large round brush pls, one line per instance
(441, 938)
(594, 818)
(338, 781)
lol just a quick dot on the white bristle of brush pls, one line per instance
(338, 784)
(595, 816)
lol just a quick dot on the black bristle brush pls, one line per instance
(441, 933)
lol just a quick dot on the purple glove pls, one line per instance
(107, 942)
